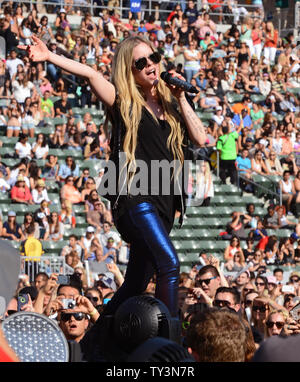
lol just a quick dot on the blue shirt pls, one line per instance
(110, 258)
(243, 163)
(247, 121)
(65, 171)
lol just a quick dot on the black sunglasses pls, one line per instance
(221, 303)
(261, 309)
(279, 324)
(92, 298)
(295, 279)
(206, 281)
(141, 63)
(259, 284)
(79, 316)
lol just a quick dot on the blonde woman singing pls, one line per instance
(151, 121)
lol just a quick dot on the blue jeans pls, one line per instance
(151, 250)
(189, 73)
(53, 72)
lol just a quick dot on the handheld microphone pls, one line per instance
(177, 82)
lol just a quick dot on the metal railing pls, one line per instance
(265, 190)
(147, 6)
(48, 264)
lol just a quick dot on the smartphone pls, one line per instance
(23, 299)
(63, 279)
(295, 312)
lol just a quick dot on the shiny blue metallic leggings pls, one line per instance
(151, 251)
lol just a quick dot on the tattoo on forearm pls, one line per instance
(193, 122)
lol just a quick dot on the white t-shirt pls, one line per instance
(40, 151)
(218, 119)
(4, 186)
(87, 243)
(12, 66)
(39, 197)
(24, 151)
(104, 236)
(20, 92)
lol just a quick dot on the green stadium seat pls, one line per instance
(10, 162)
(45, 130)
(54, 197)
(256, 98)
(5, 198)
(59, 121)
(74, 231)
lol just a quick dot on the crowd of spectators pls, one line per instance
(248, 80)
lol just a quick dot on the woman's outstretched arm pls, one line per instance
(39, 52)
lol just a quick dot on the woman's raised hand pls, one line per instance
(38, 51)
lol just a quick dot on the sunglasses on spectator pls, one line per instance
(221, 303)
(261, 309)
(295, 279)
(259, 284)
(141, 63)
(92, 298)
(279, 324)
(79, 316)
(206, 281)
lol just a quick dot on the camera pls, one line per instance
(23, 299)
(68, 303)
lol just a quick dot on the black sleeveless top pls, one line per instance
(151, 145)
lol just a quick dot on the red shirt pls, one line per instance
(21, 193)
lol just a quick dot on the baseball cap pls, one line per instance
(90, 229)
(218, 108)
(62, 10)
(295, 273)
(11, 213)
(108, 281)
(40, 182)
(272, 280)
(249, 140)
(294, 236)
(231, 39)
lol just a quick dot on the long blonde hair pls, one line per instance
(131, 101)
(271, 29)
